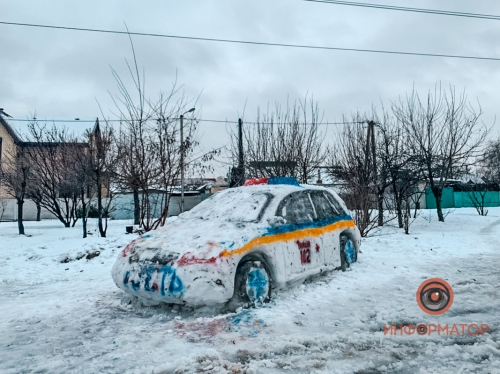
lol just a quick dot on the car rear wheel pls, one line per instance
(348, 253)
(252, 284)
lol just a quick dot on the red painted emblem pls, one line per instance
(305, 251)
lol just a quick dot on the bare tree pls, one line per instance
(148, 152)
(170, 147)
(149, 145)
(101, 166)
(489, 162)
(444, 133)
(15, 172)
(81, 182)
(135, 151)
(488, 170)
(353, 165)
(398, 170)
(284, 142)
(136, 169)
(477, 196)
(51, 154)
(372, 159)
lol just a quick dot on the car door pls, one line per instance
(326, 214)
(300, 244)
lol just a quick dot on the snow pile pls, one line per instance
(69, 317)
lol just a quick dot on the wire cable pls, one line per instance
(198, 120)
(407, 9)
(234, 41)
(105, 120)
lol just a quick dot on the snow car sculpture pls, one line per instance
(240, 244)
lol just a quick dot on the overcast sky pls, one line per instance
(62, 74)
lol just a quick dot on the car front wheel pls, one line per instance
(252, 284)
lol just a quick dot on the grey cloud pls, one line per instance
(60, 74)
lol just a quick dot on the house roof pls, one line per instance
(22, 143)
(10, 130)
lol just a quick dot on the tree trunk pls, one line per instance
(84, 214)
(397, 198)
(38, 212)
(74, 210)
(67, 222)
(407, 218)
(102, 232)
(438, 194)
(137, 207)
(381, 207)
(399, 212)
(417, 205)
(20, 203)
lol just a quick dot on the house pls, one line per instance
(219, 185)
(16, 162)
(9, 140)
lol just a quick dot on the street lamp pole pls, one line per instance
(182, 157)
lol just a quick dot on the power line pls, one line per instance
(407, 9)
(234, 41)
(55, 120)
(105, 120)
(198, 120)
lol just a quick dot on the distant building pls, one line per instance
(219, 185)
(13, 149)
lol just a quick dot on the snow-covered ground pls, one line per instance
(69, 317)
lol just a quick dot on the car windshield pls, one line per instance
(238, 205)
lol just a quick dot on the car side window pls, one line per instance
(296, 208)
(324, 208)
(335, 203)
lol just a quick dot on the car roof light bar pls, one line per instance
(291, 181)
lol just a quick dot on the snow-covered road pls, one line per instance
(71, 318)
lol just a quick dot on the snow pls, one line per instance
(232, 205)
(71, 318)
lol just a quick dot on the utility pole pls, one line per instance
(182, 163)
(374, 159)
(237, 173)
(367, 150)
(380, 197)
(182, 157)
(98, 149)
(241, 165)
(380, 194)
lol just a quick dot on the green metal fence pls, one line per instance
(447, 200)
(461, 199)
(466, 199)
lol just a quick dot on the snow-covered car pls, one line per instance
(240, 244)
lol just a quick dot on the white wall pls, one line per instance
(29, 211)
(123, 206)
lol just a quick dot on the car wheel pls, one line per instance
(348, 253)
(252, 284)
